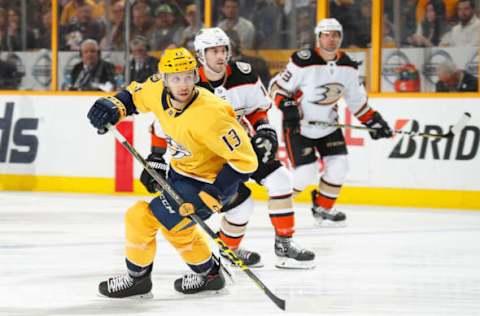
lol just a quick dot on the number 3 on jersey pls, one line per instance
(231, 139)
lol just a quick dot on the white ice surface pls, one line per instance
(56, 248)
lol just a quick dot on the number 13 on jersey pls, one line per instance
(231, 139)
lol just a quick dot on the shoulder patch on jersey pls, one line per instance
(156, 77)
(304, 54)
(306, 57)
(244, 67)
(242, 73)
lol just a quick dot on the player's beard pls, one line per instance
(217, 69)
(215, 73)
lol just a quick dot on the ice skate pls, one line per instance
(191, 283)
(292, 256)
(328, 218)
(126, 286)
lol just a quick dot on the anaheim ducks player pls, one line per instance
(307, 92)
(237, 83)
(211, 155)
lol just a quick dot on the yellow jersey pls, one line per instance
(202, 137)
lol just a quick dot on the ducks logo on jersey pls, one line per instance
(328, 94)
(176, 150)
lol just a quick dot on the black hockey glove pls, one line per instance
(265, 143)
(382, 130)
(291, 114)
(103, 112)
(158, 163)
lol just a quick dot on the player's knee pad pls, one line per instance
(141, 228)
(241, 213)
(304, 175)
(279, 182)
(234, 223)
(336, 169)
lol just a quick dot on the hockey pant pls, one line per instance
(143, 221)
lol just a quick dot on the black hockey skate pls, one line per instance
(327, 218)
(192, 283)
(251, 259)
(126, 286)
(292, 256)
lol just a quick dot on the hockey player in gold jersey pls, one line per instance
(211, 155)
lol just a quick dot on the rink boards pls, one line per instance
(46, 144)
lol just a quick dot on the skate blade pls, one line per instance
(329, 224)
(205, 293)
(289, 263)
(145, 296)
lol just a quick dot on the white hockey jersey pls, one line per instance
(318, 85)
(241, 87)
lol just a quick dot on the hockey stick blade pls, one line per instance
(457, 128)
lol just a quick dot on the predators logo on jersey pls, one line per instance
(176, 150)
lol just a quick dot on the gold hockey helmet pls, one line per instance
(177, 60)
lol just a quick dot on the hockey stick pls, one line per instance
(232, 256)
(454, 130)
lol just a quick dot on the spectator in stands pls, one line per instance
(115, 39)
(194, 25)
(344, 12)
(304, 29)
(165, 31)
(92, 73)
(10, 77)
(466, 32)
(408, 21)
(14, 39)
(142, 65)
(364, 24)
(446, 9)
(85, 26)
(267, 19)
(141, 21)
(431, 29)
(44, 34)
(35, 11)
(258, 64)
(452, 79)
(3, 29)
(233, 21)
(69, 12)
(388, 39)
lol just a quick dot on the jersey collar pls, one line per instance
(167, 104)
(337, 57)
(203, 77)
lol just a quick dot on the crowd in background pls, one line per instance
(261, 24)
(255, 24)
